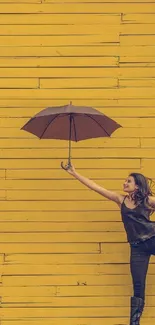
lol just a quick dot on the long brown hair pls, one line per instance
(145, 189)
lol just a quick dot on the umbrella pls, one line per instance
(69, 122)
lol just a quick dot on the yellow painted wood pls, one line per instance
(84, 8)
(58, 51)
(102, 1)
(80, 153)
(65, 302)
(110, 50)
(50, 248)
(80, 82)
(65, 73)
(82, 93)
(50, 19)
(50, 143)
(142, 18)
(56, 40)
(19, 83)
(69, 269)
(64, 256)
(109, 103)
(58, 29)
(57, 62)
(145, 82)
(22, 227)
(146, 112)
(137, 40)
(70, 321)
(59, 174)
(61, 216)
(74, 291)
(84, 165)
(47, 259)
(51, 237)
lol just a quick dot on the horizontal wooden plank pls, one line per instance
(87, 1)
(134, 59)
(23, 248)
(81, 153)
(148, 144)
(59, 174)
(101, 142)
(21, 1)
(60, 216)
(142, 18)
(108, 104)
(72, 291)
(97, 290)
(36, 302)
(59, 237)
(82, 93)
(46, 259)
(79, 163)
(68, 72)
(68, 312)
(65, 29)
(54, 205)
(145, 82)
(69, 269)
(77, 29)
(28, 227)
(137, 39)
(80, 280)
(52, 19)
(69, 321)
(71, 8)
(2, 175)
(44, 248)
(126, 72)
(55, 40)
(84, 51)
(58, 62)
(146, 112)
(135, 50)
(80, 82)
(136, 28)
(19, 83)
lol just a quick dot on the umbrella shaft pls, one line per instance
(70, 131)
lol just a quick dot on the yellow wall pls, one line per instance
(63, 251)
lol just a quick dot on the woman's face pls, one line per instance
(129, 185)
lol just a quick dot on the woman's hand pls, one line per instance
(69, 168)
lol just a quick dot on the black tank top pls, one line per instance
(137, 223)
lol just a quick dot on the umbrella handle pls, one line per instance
(67, 166)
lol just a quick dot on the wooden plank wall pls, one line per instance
(64, 258)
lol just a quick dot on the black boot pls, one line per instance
(137, 306)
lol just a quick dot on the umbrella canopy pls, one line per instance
(69, 122)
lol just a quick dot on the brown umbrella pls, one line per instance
(73, 123)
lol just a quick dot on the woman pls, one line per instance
(136, 208)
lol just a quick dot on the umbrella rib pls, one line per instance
(48, 125)
(98, 124)
(74, 129)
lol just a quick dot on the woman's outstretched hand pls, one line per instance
(68, 168)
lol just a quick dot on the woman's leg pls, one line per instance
(139, 261)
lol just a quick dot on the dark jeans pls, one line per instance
(139, 261)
